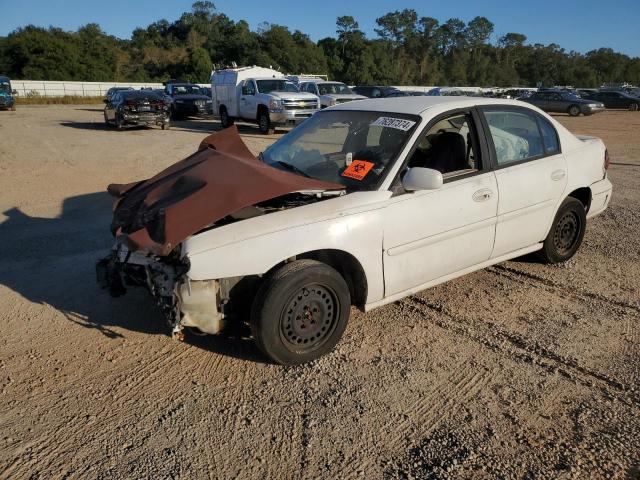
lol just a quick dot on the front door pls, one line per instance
(531, 173)
(247, 106)
(433, 233)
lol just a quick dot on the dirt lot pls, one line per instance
(517, 371)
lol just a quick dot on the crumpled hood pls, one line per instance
(222, 177)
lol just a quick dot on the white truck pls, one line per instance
(259, 95)
(330, 93)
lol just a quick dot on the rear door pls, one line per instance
(531, 174)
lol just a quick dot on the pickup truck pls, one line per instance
(262, 96)
(361, 205)
(330, 93)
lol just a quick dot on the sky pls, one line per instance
(580, 25)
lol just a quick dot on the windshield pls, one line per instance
(331, 88)
(352, 148)
(186, 90)
(5, 87)
(268, 86)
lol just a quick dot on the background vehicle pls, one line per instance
(187, 100)
(137, 107)
(612, 99)
(7, 102)
(361, 205)
(374, 91)
(563, 102)
(330, 93)
(113, 90)
(260, 95)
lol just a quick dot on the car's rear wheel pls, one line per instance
(574, 110)
(13, 107)
(633, 107)
(566, 234)
(225, 120)
(300, 312)
(166, 125)
(119, 121)
(264, 123)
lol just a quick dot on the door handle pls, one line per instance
(558, 175)
(482, 195)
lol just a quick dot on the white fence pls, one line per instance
(26, 88)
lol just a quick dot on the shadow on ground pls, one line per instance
(51, 261)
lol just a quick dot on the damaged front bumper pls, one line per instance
(185, 303)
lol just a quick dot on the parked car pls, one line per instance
(612, 99)
(363, 204)
(137, 107)
(187, 100)
(330, 93)
(7, 102)
(112, 91)
(563, 102)
(373, 91)
(260, 95)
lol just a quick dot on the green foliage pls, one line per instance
(408, 50)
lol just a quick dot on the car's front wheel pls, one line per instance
(264, 123)
(566, 234)
(300, 312)
(574, 110)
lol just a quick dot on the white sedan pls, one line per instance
(362, 204)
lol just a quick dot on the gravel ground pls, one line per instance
(520, 370)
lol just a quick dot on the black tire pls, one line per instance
(566, 233)
(574, 110)
(13, 107)
(633, 107)
(264, 123)
(119, 122)
(166, 125)
(300, 312)
(225, 120)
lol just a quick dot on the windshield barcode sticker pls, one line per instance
(390, 122)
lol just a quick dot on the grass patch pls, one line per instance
(66, 100)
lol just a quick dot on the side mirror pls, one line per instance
(104, 100)
(418, 178)
(14, 92)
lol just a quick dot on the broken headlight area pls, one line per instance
(201, 305)
(161, 276)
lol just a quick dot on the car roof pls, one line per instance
(416, 105)
(4, 79)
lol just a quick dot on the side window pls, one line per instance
(549, 137)
(375, 93)
(515, 135)
(247, 88)
(450, 146)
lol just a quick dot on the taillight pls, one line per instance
(607, 160)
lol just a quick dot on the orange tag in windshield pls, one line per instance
(358, 169)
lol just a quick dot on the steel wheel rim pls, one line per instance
(566, 232)
(309, 318)
(574, 111)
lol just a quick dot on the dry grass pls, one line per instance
(66, 100)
